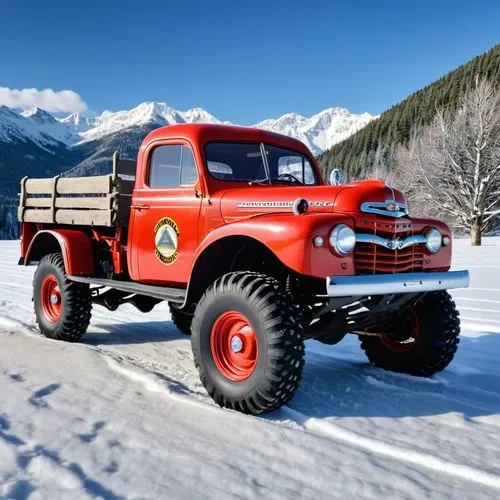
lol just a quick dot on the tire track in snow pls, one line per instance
(478, 309)
(480, 321)
(470, 299)
(16, 285)
(419, 459)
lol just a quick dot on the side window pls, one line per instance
(172, 166)
(165, 168)
(189, 174)
(298, 166)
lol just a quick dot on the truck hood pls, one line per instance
(246, 202)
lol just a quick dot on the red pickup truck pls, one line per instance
(236, 229)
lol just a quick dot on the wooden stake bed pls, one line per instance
(91, 201)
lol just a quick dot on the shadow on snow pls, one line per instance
(339, 382)
(133, 333)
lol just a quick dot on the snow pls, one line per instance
(123, 413)
(15, 127)
(319, 132)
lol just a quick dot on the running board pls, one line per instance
(158, 292)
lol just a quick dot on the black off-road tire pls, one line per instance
(437, 339)
(182, 319)
(279, 340)
(76, 302)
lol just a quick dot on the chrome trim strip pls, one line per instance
(382, 208)
(280, 204)
(396, 244)
(384, 284)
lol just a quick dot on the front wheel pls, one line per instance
(247, 343)
(422, 342)
(62, 307)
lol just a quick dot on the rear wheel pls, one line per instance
(62, 307)
(422, 342)
(247, 343)
(181, 318)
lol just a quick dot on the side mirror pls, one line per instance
(335, 177)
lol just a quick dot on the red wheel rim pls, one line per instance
(407, 344)
(51, 298)
(234, 346)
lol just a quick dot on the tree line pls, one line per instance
(376, 144)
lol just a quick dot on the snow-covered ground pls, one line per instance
(123, 414)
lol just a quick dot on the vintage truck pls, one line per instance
(236, 229)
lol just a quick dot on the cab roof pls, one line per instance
(200, 133)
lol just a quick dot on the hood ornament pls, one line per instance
(389, 208)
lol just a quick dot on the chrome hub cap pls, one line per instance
(236, 344)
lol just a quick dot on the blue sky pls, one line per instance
(241, 61)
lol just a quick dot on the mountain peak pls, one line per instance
(39, 115)
(199, 115)
(322, 130)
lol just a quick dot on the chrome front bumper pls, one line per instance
(384, 284)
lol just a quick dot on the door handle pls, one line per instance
(140, 207)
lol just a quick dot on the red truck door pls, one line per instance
(164, 220)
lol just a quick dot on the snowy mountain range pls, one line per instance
(319, 132)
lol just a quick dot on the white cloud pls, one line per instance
(47, 99)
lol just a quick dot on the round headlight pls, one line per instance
(342, 239)
(434, 240)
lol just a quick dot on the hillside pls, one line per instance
(375, 143)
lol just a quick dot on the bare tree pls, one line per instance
(452, 167)
(381, 169)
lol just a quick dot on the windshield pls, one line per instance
(258, 163)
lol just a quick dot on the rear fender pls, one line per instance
(75, 246)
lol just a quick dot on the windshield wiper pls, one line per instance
(259, 181)
(265, 182)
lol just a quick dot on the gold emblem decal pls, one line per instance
(166, 240)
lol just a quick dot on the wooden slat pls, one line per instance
(38, 202)
(34, 215)
(97, 202)
(100, 184)
(84, 217)
(53, 197)
(22, 199)
(71, 185)
(39, 186)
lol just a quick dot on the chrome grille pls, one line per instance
(370, 258)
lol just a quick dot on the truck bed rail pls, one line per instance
(96, 201)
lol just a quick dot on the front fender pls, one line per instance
(76, 248)
(290, 238)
